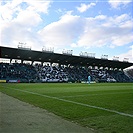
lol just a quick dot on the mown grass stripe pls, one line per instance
(96, 94)
(82, 104)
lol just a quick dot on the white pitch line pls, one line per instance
(82, 104)
(96, 94)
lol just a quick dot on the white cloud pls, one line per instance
(20, 20)
(9, 10)
(17, 32)
(28, 18)
(117, 3)
(63, 32)
(20, 24)
(38, 5)
(85, 7)
(120, 40)
(75, 31)
(128, 55)
(103, 30)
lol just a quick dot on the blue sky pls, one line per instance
(104, 27)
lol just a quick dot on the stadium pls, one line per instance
(59, 84)
(64, 67)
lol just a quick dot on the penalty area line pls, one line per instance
(82, 104)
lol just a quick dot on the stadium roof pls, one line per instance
(64, 59)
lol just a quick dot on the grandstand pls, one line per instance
(68, 68)
(129, 72)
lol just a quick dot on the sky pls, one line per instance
(103, 27)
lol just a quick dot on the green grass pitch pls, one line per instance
(104, 107)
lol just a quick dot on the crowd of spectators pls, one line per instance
(49, 73)
(120, 76)
(16, 71)
(76, 74)
(101, 75)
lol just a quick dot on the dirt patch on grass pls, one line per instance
(20, 117)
